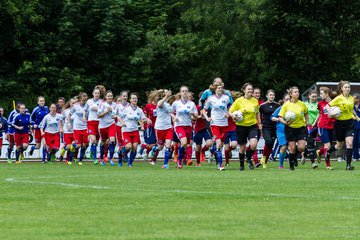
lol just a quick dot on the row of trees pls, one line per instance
(61, 47)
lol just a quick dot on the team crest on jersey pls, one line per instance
(188, 107)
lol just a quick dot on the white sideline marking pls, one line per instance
(27, 180)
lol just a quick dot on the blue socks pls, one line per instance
(111, 149)
(17, 155)
(82, 153)
(132, 157)
(281, 159)
(93, 150)
(219, 156)
(9, 152)
(44, 153)
(167, 156)
(102, 151)
(181, 153)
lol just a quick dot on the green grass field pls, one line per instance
(55, 201)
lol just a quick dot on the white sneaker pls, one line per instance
(153, 163)
(340, 159)
(314, 165)
(145, 157)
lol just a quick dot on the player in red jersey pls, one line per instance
(325, 125)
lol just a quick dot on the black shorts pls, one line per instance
(246, 133)
(343, 129)
(295, 134)
(269, 136)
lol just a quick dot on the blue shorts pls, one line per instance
(230, 137)
(326, 135)
(149, 135)
(281, 138)
(200, 135)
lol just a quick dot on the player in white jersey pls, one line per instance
(68, 123)
(107, 126)
(51, 127)
(122, 102)
(163, 125)
(80, 126)
(130, 119)
(219, 104)
(185, 111)
(91, 107)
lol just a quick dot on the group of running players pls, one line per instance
(173, 122)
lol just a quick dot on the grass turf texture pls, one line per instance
(55, 201)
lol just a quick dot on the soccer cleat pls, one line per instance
(144, 157)
(292, 169)
(18, 162)
(106, 159)
(263, 160)
(179, 165)
(130, 165)
(227, 164)
(251, 165)
(43, 162)
(189, 163)
(258, 164)
(198, 164)
(355, 160)
(111, 162)
(80, 163)
(242, 168)
(349, 168)
(31, 151)
(264, 165)
(302, 161)
(69, 163)
(165, 166)
(153, 163)
(221, 168)
(9, 160)
(296, 163)
(120, 164)
(340, 159)
(102, 163)
(281, 167)
(314, 165)
(96, 162)
(22, 156)
(318, 156)
(329, 168)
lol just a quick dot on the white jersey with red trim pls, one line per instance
(107, 120)
(51, 123)
(120, 107)
(163, 119)
(78, 111)
(131, 117)
(219, 108)
(183, 110)
(92, 107)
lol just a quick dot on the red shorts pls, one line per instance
(93, 128)
(37, 136)
(219, 132)
(131, 137)
(81, 136)
(68, 138)
(52, 140)
(184, 131)
(21, 138)
(11, 139)
(108, 132)
(119, 135)
(162, 135)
